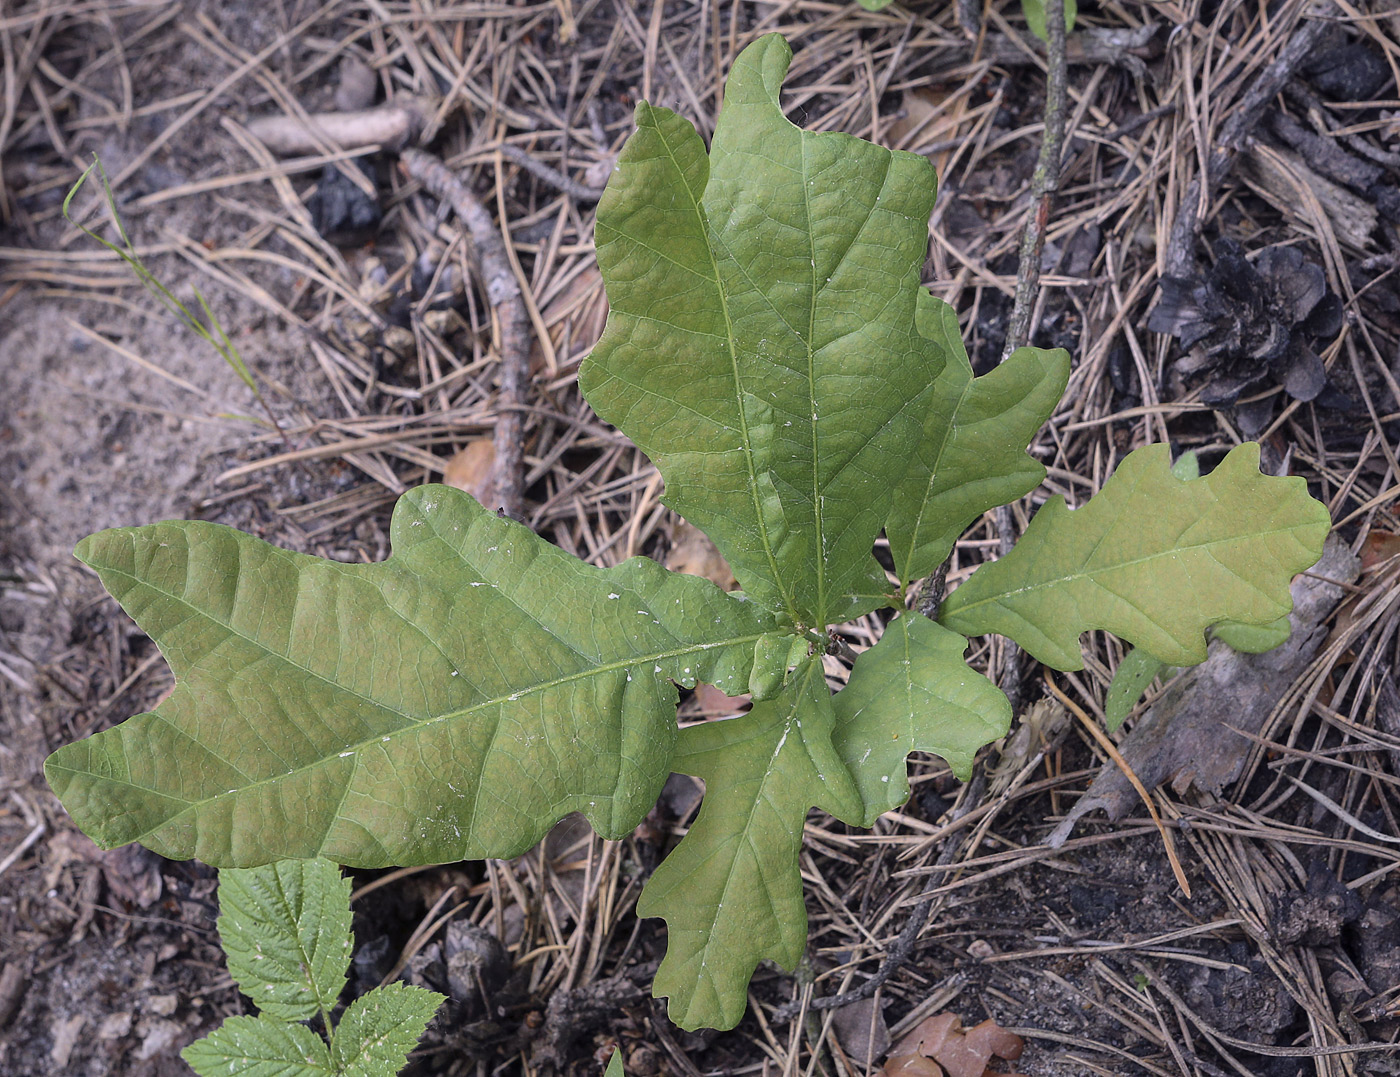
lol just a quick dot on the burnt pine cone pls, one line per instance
(1246, 324)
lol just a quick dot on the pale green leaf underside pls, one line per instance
(1138, 668)
(912, 692)
(971, 456)
(615, 1064)
(731, 893)
(761, 345)
(1150, 558)
(1253, 639)
(286, 931)
(381, 1027)
(452, 702)
(1130, 681)
(259, 1047)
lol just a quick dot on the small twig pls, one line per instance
(503, 292)
(1180, 258)
(579, 192)
(1045, 181)
(1125, 48)
(390, 127)
(903, 947)
(1137, 123)
(35, 833)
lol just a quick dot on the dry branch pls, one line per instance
(1045, 181)
(503, 292)
(390, 127)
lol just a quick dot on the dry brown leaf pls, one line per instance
(961, 1052)
(470, 469)
(911, 1066)
(997, 1040)
(918, 108)
(693, 552)
(1379, 547)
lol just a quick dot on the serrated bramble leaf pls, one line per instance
(1150, 558)
(971, 456)
(259, 1047)
(381, 1027)
(286, 930)
(451, 702)
(1130, 681)
(730, 893)
(761, 344)
(912, 692)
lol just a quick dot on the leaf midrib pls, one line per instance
(780, 734)
(745, 439)
(913, 544)
(414, 726)
(1075, 577)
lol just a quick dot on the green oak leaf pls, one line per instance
(972, 455)
(761, 345)
(285, 929)
(912, 692)
(1150, 558)
(1138, 668)
(260, 1047)
(451, 702)
(1253, 639)
(1130, 681)
(1034, 10)
(380, 1028)
(730, 893)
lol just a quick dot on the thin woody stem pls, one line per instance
(1045, 181)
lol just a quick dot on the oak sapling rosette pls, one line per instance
(771, 348)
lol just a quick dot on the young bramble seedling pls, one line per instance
(285, 929)
(771, 348)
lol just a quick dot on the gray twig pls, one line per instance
(503, 292)
(579, 192)
(1045, 181)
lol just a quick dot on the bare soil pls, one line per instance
(374, 353)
